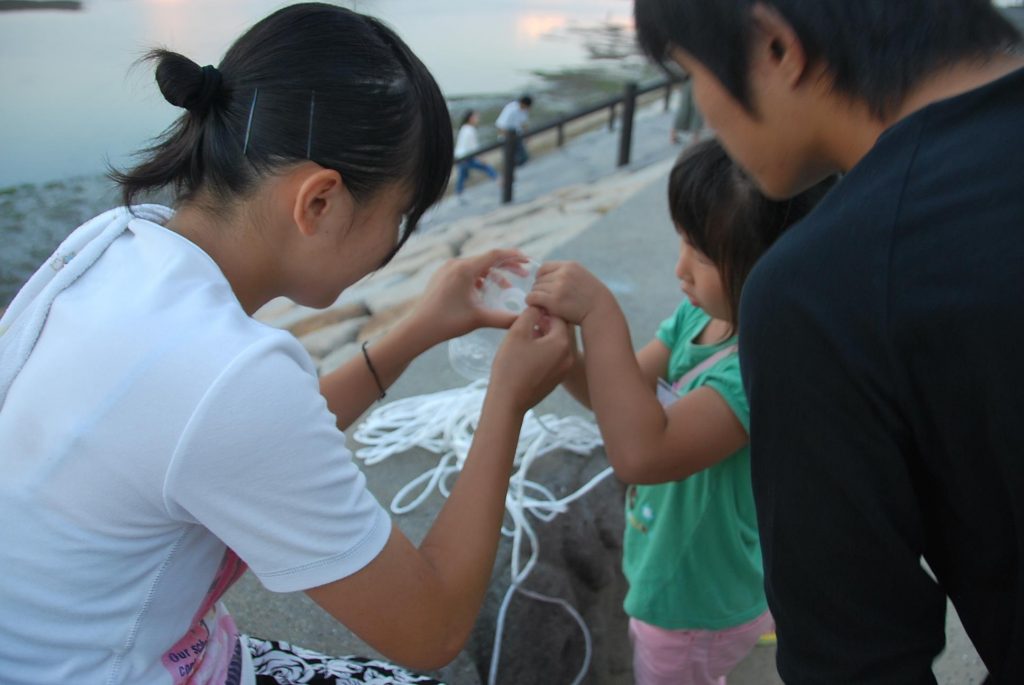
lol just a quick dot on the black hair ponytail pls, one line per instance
(184, 83)
(175, 158)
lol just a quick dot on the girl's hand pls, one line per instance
(567, 290)
(450, 305)
(535, 355)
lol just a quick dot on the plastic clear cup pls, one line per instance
(472, 355)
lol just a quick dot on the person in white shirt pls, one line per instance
(515, 117)
(157, 440)
(467, 142)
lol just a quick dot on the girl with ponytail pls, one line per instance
(157, 441)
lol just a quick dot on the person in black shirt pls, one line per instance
(882, 338)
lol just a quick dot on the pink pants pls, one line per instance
(691, 657)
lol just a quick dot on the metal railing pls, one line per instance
(627, 101)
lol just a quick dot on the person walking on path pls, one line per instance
(882, 335)
(467, 142)
(515, 118)
(157, 440)
(687, 118)
(674, 420)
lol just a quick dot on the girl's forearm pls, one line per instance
(463, 542)
(418, 605)
(629, 414)
(575, 382)
(352, 388)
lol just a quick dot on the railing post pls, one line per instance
(668, 93)
(611, 118)
(508, 175)
(626, 132)
(561, 135)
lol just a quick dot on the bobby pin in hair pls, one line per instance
(248, 125)
(309, 135)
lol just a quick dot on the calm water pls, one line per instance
(70, 101)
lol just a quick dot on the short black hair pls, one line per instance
(467, 116)
(874, 50)
(723, 214)
(526, 100)
(309, 82)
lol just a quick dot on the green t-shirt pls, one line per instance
(691, 549)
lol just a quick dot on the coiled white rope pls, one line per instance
(444, 423)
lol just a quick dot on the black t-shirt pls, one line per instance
(882, 348)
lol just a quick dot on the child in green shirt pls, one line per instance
(674, 418)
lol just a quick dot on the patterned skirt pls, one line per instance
(281, 663)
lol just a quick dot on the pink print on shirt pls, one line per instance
(210, 652)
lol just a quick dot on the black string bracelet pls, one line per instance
(369, 365)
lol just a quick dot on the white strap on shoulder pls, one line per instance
(687, 377)
(668, 394)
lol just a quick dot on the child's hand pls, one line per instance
(535, 355)
(449, 306)
(567, 290)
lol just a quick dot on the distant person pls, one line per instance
(515, 117)
(881, 337)
(465, 143)
(157, 441)
(687, 118)
(674, 420)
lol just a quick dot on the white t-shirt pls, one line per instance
(467, 140)
(156, 442)
(512, 118)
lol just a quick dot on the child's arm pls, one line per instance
(652, 359)
(645, 443)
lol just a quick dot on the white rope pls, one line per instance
(444, 423)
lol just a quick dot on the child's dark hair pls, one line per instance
(874, 50)
(309, 82)
(467, 116)
(721, 212)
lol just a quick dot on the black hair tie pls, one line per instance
(208, 91)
